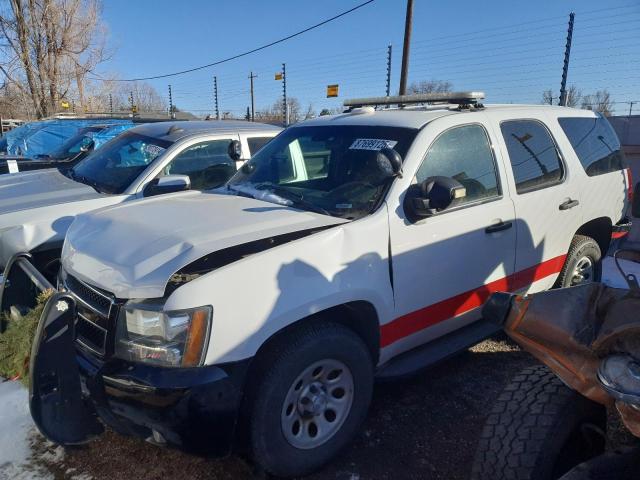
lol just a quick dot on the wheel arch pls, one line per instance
(600, 230)
(360, 316)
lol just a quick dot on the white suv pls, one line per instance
(350, 246)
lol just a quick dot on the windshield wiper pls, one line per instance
(87, 181)
(294, 197)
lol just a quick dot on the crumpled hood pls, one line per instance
(23, 191)
(132, 250)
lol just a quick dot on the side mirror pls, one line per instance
(167, 184)
(635, 205)
(87, 147)
(390, 160)
(432, 196)
(235, 150)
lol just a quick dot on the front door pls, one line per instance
(445, 266)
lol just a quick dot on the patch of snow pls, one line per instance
(612, 277)
(16, 427)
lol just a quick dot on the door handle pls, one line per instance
(569, 204)
(498, 227)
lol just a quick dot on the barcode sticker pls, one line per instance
(372, 144)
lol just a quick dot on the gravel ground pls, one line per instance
(425, 427)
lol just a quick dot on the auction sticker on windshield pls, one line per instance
(372, 144)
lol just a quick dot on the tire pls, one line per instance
(538, 430)
(582, 249)
(272, 439)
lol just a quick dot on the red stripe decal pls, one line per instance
(615, 235)
(428, 316)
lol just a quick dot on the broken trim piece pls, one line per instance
(212, 261)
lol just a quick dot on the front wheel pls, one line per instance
(583, 263)
(311, 398)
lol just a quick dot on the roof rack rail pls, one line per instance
(460, 98)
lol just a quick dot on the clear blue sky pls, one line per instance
(511, 49)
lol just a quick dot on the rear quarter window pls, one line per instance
(595, 143)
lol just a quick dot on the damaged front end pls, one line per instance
(588, 335)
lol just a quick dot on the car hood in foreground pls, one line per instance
(23, 191)
(132, 250)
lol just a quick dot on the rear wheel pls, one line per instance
(538, 430)
(583, 263)
(310, 399)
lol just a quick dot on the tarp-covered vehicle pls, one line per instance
(84, 141)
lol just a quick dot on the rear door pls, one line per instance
(545, 195)
(445, 266)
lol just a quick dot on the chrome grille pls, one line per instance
(95, 308)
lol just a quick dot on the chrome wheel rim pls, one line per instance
(583, 271)
(317, 404)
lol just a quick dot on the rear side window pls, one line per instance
(464, 154)
(595, 143)
(533, 154)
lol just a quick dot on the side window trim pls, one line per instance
(563, 163)
(480, 201)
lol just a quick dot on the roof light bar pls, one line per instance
(446, 97)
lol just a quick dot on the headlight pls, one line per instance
(146, 333)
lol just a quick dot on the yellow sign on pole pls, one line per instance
(134, 109)
(332, 90)
(64, 104)
(278, 76)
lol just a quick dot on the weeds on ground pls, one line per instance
(16, 341)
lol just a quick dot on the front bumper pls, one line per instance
(194, 409)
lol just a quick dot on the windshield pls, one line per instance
(81, 140)
(334, 170)
(112, 168)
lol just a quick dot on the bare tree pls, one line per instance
(547, 97)
(429, 86)
(599, 102)
(310, 113)
(51, 47)
(574, 95)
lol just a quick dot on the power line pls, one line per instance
(244, 54)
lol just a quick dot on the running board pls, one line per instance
(437, 350)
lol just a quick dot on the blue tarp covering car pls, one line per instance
(41, 138)
(88, 136)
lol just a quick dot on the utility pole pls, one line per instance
(388, 70)
(285, 106)
(565, 68)
(131, 102)
(631, 107)
(111, 104)
(253, 112)
(215, 96)
(171, 112)
(404, 72)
